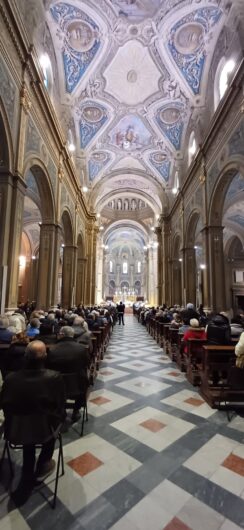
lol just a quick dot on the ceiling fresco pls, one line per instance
(131, 86)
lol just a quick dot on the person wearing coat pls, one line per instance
(33, 394)
(67, 357)
(239, 351)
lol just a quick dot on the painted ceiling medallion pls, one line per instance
(81, 36)
(81, 41)
(92, 114)
(170, 121)
(130, 134)
(93, 117)
(136, 10)
(188, 38)
(97, 162)
(159, 162)
(170, 115)
(132, 76)
(186, 43)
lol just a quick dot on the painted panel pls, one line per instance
(160, 164)
(81, 42)
(130, 134)
(186, 43)
(169, 120)
(93, 117)
(97, 162)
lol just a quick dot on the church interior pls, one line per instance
(122, 179)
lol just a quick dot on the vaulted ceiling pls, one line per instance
(130, 83)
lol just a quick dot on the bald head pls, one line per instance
(36, 351)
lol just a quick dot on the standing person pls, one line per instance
(121, 310)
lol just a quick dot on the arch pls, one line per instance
(224, 70)
(176, 244)
(112, 287)
(80, 246)
(6, 147)
(190, 233)
(217, 198)
(192, 147)
(40, 174)
(67, 225)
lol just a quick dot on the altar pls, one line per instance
(126, 299)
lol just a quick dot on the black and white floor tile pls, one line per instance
(154, 455)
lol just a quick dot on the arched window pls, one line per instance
(125, 267)
(192, 147)
(110, 266)
(139, 267)
(47, 71)
(222, 79)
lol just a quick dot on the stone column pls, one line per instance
(94, 263)
(80, 280)
(166, 257)
(46, 265)
(68, 277)
(13, 192)
(205, 271)
(56, 260)
(91, 233)
(217, 268)
(189, 260)
(158, 232)
(99, 275)
(88, 267)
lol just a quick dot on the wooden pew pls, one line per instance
(180, 359)
(166, 338)
(173, 343)
(193, 360)
(214, 372)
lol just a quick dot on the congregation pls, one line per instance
(49, 361)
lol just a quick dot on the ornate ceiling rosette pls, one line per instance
(92, 118)
(170, 121)
(187, 43)
(132, 76)
(97, 161)
(81, 41)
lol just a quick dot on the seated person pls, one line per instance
(6, 334)
(40, 393)
(69, 356)
(218, 330)
(194, 332)
(185, 326)
(189, 312)
(48, 325)
(33, 328)
(176, 321)
(236, 327)
(239, 351)
(15, 355)
(82, 335)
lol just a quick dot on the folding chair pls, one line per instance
(18, 444)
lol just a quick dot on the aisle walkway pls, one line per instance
(154, 455)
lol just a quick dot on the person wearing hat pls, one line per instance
(194, 332)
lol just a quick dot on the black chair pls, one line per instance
(233, 393)
(76, 387)
(18, 443)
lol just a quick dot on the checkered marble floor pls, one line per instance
(154, 455)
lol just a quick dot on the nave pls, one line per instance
(154, 455)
